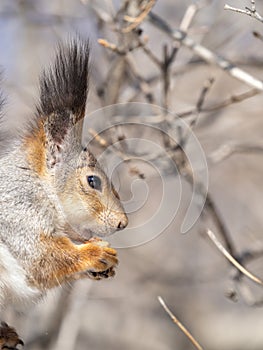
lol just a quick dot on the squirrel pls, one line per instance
(54, 196)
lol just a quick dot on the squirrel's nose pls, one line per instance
(123, 223)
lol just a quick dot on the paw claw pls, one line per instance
(9, 338)
(100, 259)
(101, 275)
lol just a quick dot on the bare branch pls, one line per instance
(179, 324)
(135, 22)
(112, 47)
(206, 88)
(190, 14)
(205, 53)
(217, 219)
(168, 59)
(150, 54)
(230, 258)
(118, 50)
(227, 102)
(250, 12)
(201, 99)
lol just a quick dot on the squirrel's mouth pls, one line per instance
(87, 234)
(78, 236)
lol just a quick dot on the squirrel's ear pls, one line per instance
(63, 94)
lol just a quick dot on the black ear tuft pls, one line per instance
(64, 86)
(63, 94)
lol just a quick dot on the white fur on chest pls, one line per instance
(13, 285)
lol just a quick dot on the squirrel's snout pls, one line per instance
(122, 224)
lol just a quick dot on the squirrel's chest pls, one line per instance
(13, 284)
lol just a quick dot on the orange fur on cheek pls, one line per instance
(35, 150)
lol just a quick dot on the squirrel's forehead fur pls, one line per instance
(92, 161)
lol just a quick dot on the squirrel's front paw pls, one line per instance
(8, 337)
(100, 275)
(100, 259)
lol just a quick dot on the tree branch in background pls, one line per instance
(130, 39)
(252, 12)
(135, 22)
(201, 100)
(218, 105)
(180, 325)
(231, 259)
(205, 53)
(191, 12)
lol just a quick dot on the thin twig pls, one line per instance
(135, 22)
(179, 324)
(253, 5)
(227, 102)
(190, 14)
(206, 88)
(250, 12)
(168, 59)
(150, 54)
(230, 258)
(112, 47)
(116, 49)
(218, 220)
(201, 100)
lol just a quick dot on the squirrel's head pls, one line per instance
(90, 203)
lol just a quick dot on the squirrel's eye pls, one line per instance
(94, 182)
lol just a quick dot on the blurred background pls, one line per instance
(143, 64)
